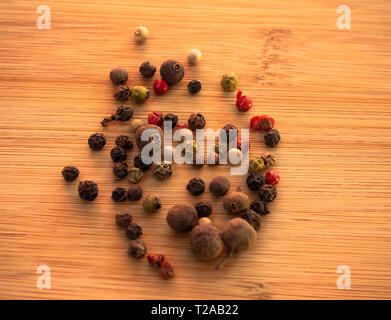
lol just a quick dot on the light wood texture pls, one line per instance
(329, 91)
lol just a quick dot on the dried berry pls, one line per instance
(152, 203)
(253, 218)
(256, 166)
(135, 124)
(229, 133)
(157, 134)
(160, 86)
(205, 242)
(155, 260)
(260, 207)
(229, 81)
(124, 113)
(204, 220)
(172, 119)
(172, 71)
(155, 118)
(120, 169)
(203, 208)
(97, 141)
(266, 123)
(163, 170)
(243, 103)
(166, 271)
(234, 156)
(267, 193)
(106, 120)
(196, 186)
(70, 173)
(194, 56)
(213, 159)
(133, 231)
(135, 175)
(88, 190)
(122, 93)
(272, 177)
(196, 121)
(118, 154)
(137, 249)
(219, 186)
(194, 86)
(147, 69)
(141, 34)
(269, 159)
(255, 123)
(236, 202)
(138, 163)
(119, 76)
(254, 181)
(123, 219)
(182, 217)
(140, 94)
(243, 144)
(119, 194)
(272, 138)
(124, 142)
(135, 193)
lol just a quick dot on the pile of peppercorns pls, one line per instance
(206, 242)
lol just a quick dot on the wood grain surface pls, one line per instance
(328, 89)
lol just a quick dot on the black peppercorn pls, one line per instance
(254, 181)
(135, 193)
(133, 231)
(124, 142)
(118, 76)
(118, 154)
(272, 138)
(260, 207)
(138, 163)
(172, 71)
(267, 193)
(219, 186)
(147, 69)
(70, 173)
(137, 249)
(97, 141)
(171, 118)
(122, 93)
(123, 219)
(119, 194)
(194, 86)
(196, 186)
(204, 209)
(88, 190)
(120, 169)
(230, 131)
(124, 113)
(253, 218)
(196, 121)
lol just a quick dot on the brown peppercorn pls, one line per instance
(269, 159)
(137, 249)
(157, 131)
(120, 169)
(253, 218)
(259, 207)
(119, 194)
(88, 190)
(147, 69)
(124, 142)
(135, 193)
(236, 202)
(196, 121)
(172, 71)
(123, 219)
(138, 163)
(182, 217)
(119, 76)
(122, 93)
(172, 118)
(196, 186)
(118, 154)
(133, 231)
(166, 271)
(254, 181)
(230, 131)
(152, 203)
(97, 141)
(267, 193)
(272, 138)
(219, 186)
(205, 242)
(70, 173)
(203, 208)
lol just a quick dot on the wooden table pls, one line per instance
(328, 89)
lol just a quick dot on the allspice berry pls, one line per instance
(118, 76)
(124, 142)
(194, 56)
(137, 249)
(152, 203)
(204, 209)
(97, 141)
(205, 242)
(120, 169)
(260, 207)
(147, 69)
(182, 217)
(196, 186)
(140, 94)
(236, 202)
(141, 34)
(122, 93)
(88, 190)
(118, 154)
(133, 231)
(219, 186)
(70, 173)
(196, 121)
(163, 170)
(135, 193)
(267, 193)
(272, 138)
(119, 194)
(253, 218)
(172, 71)
(229, 81)
(254, 181)
(135, 175)
(123, 219)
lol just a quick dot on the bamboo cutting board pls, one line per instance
(328, 89)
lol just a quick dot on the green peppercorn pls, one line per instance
(152, 203)
(140, 94)
(229, 81)
(135, 175)
(269, 159)
(256, 166)
(163, 171)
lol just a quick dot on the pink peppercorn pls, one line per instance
(155, 118)
(272, 177)
(243, 103)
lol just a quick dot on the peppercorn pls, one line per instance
(234, 156)
(118, 154)
(256, 166)
(255, 123)
(120, 169)
(229, 131)
(194, 86)
(155, 260)
(124, 113)
(123, 219)
(253, 218)
(254, 181)
(135, 193)
(124, 142)
(272, 177)
(243, 144)
(219, 186)
(106, 120)
(135, 175)
(138, 163)
(196, 186)
(213, 159)
(259, 207)
(243, 103)
(152, 203)
(163, 170)
(88, 190)
(133, 231)
(267, 193)
(198, 161)
(122, 93)
(140, 94)
(205, 242)
(172, 71)
(119, 76)
(269, 159)
(205, 220)
(272, 138)
(137, 249)
(119, 194)
(135, 124)
(157, 133)
(266, 123)
(155, 118)
(236, 202)
(190, 147)
(147, 69)
(182, 217)
(194, 56)
(196, 121)
(97, 141)
(229, 81)
(172, 119)
(203, 208)
(141, 34)
(160, 86)
(166, 271)
(70, 173)
(221, 149)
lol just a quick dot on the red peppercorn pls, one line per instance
(266, 123)
(166, 270)
(155, 118)
(272, 177)
(160, 86)
(182, 126)
(255, 123)
(155, 260)
(243, 103)
(243, 145)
